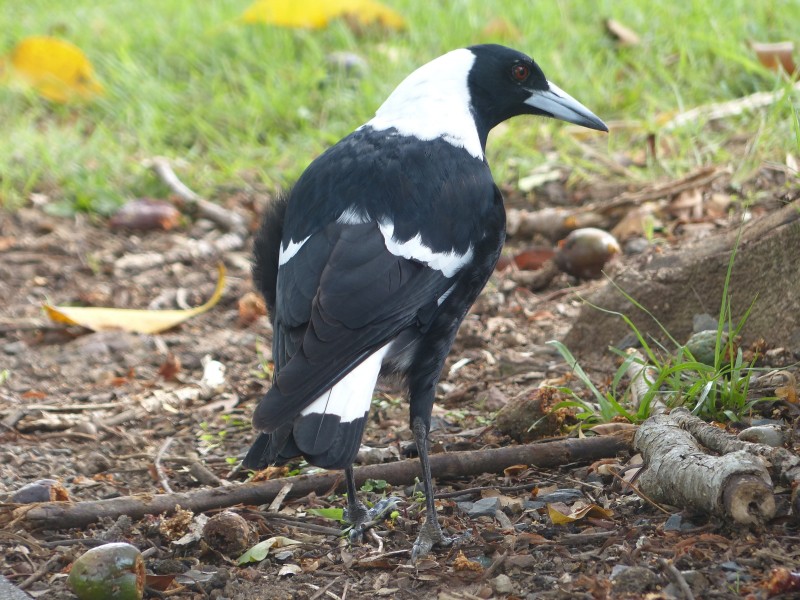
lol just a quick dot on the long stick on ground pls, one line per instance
(62, 515)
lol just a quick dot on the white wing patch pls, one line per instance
(352, 216)
(350, 399)
(286, 254)
(434, 102)
(449, 263)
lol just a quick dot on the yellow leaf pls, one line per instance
(131, 320)
(561, 517)
(56, 69)
(316, 14)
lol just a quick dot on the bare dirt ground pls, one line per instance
(98, 411)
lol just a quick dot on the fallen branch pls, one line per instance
(226, 219)
(722, 110)
(678, 472)
(62, 515)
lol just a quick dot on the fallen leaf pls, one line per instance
(260, 551)
(316, 14)
(287, 570)
(58, 70)
(561, 514)
(625, 36)
(146, 214)
(776, 56)
(251, 307)
(533, 257)
(159, 582)
(170, 368)
(501, 28)
(687, 205)
(131, 320)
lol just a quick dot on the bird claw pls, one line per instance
(430, 535)
(363, 519)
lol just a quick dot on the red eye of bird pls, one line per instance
(520, 72)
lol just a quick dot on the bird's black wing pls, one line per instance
(341, 297)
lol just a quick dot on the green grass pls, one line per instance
(252, 105)
(707, 374)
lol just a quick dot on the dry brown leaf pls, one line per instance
(625, 36)
(501, 28)
(146, 214)
(561, 514)
(56, 69)
(462, 563)
(776, 56)
(131, 320)
(251, 307)
(687, 205)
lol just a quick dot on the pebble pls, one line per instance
(770, 435)
(485, 507)
(15, 347)
(565, 495)
(502, 584)
(633, 580)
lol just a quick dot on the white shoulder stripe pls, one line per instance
(449, 263)
(350, 399)
(286, 253)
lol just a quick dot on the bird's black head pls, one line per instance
(461, 95)
(504, 83)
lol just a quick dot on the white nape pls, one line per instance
(434, 102)
(350, 399)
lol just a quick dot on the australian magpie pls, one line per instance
(370, 263)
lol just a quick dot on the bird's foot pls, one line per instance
(430, 535)
(363, 519)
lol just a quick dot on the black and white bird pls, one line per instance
(370, 263)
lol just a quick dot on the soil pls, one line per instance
(99, 411)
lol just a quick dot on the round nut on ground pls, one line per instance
(228, 533)
(108, 571)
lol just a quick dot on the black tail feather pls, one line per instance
(266, 248)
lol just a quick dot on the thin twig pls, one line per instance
(40, 572)
(162, 475)
(641, 494)
(321, 591)
(275, 505)
(494, 566)
(677, 578)
(223, 217)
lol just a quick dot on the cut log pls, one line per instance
(64, 515)
(678, 471)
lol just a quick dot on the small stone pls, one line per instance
(636, 245)
(86, 427)
(633, 580)
(485, 507)
(15, 347)
(565, 495)
(770, 435)
(465, 507)
(95, 462)
(502, 584)
(673, 523)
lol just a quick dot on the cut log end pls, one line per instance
(748, 499)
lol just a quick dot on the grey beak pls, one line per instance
(560, 105)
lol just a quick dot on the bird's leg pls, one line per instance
(359, 516)
(430, 534)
